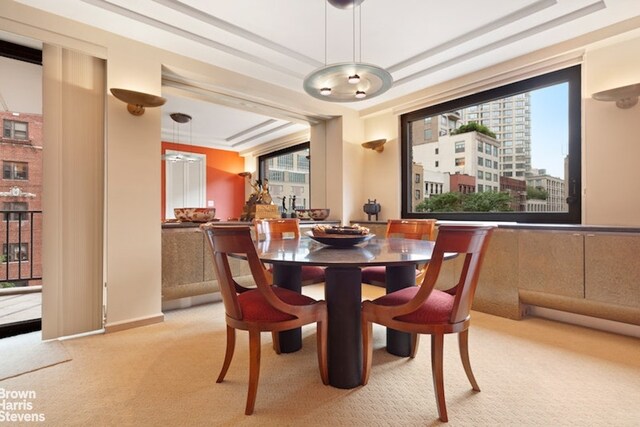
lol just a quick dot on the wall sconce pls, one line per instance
(625, 96)
(375, 145)
(137, 101)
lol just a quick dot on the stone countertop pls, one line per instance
(173, 225)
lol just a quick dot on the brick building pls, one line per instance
(517, 189)
(21, 145)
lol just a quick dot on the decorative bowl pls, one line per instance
(318, 214)
(195, 214)
(340, 240)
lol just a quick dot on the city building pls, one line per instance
(510, 119)
(470, 153)
(554, 187)
(288, 176)
(517, 190)
(432, 128)
(21, 198)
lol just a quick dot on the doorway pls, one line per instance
(21, 188)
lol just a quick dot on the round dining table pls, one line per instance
(343, 292)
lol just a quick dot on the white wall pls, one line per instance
(380, 177)
(612, 138)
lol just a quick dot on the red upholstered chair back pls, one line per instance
(236, 240)
(277, 228)
(470, 242)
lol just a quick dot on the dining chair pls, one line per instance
(287, 228)
(425, 310)
(419, 229)
(264, 309)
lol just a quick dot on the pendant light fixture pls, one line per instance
(347, 81)
(179, 119)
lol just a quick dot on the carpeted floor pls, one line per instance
(532, 373)
(27, 353)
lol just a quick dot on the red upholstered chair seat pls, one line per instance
(310, 274)
(376, 274)
(255, 307)
(436, 309)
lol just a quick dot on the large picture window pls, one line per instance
(531, 175)
(288, 172)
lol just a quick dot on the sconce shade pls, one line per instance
(375, 145)
(137, 101)
(624, 97)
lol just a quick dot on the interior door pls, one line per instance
(185, 183)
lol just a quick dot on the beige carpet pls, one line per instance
(532, 373)
(27, 353)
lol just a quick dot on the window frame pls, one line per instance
(13, 171)
(264, 158)
(12, 129)
(571, 76)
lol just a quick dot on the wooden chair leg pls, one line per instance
(415, 341)
(276, 341)
(463, 341)
(367, 350)
(254, 370)
(322, 351)
(231, 345)
(437, 345)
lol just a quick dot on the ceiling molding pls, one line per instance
(103, 4)
(262, 134)
(498, 23)
(210, 93)
(251, 130)
(587, 10)
(238, 31)
(494, 79)
(278, 144)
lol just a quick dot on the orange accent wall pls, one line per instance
(224, 186)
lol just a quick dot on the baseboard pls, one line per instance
(187, 302)
(135, 323)
(586, 321)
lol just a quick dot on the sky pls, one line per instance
(549, 128)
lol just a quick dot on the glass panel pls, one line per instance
(288, 172)
(537, 182)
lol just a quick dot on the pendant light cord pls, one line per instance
(360, 28)
(354, 31)
(325, 33)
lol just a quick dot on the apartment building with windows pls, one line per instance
(288, 175)
(555, 188)
(510, 119)
(470, 153)
(21, 190)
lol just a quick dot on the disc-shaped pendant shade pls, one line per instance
(331, 83)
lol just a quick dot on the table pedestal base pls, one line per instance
(289, 277)
(343, 293)
(399, 277)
